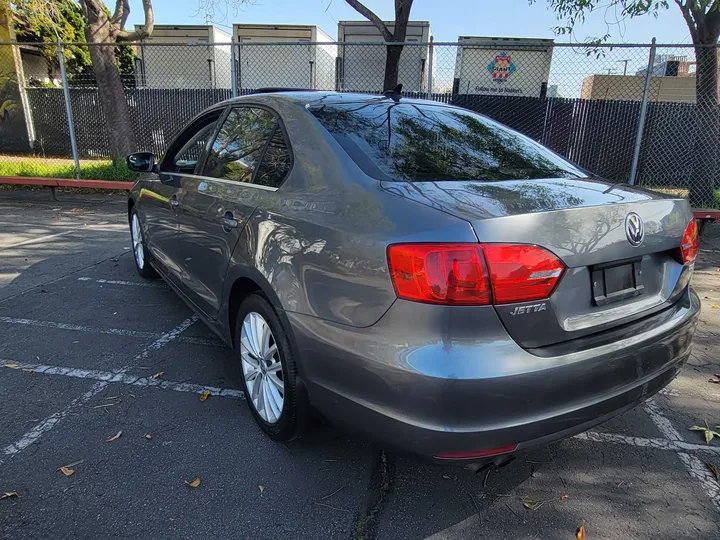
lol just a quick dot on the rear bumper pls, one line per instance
(431, 380)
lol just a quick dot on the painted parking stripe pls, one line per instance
(110, 331)
(124, 378)
(646, 442)
(157, 285)
(39, 240)
(48, 423)
(696, 468)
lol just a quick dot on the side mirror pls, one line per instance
(141, 162)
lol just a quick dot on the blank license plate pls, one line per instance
(616, 281)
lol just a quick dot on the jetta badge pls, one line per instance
(634, 229)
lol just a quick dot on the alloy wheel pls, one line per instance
(262, 368)
(137, 242)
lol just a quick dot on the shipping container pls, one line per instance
(361, 68)
(517, 67)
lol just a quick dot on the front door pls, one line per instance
(182, 158)
(247, 161)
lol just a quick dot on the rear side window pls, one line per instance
(418, 142)
(250, 147)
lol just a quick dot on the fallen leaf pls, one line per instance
(531, 503)
(261, 488)
(8, 494)
(714, 381)
(66, 471)
(195, 483)
(148, 436)
(205, 395)
(157, 375)
(563, 497)
(115, 437)
(11, 365)
(714, 306)
(580, 534)
(714, 470)
(709, 433)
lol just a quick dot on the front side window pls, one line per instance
(419, 142)
(186, 150)
(240, 144)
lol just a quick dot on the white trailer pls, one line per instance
(263, 63)
(163, 64)
(361, 68)
(502, 66)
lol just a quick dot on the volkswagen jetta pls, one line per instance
(415, 271)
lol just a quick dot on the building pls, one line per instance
(308, 61)
(517, 67)
(37, 70)
(361, 68)
(204, 63)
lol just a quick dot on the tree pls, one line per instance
(703, 20)
(392, 58)
(66, 24)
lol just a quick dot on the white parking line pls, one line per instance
(110, 331)
(158, 285)
(696, 468)
(644, 442)
(48, 423)
(36, 240)
(123, 378)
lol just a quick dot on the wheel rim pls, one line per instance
(262, 368)
(137, 242)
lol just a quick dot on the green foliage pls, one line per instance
(40, 21)
(91, 170)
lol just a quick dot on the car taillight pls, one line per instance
(521, 273)
(439, 273)
(690, 243)
(473, 274)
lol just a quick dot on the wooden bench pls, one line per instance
(54, 183)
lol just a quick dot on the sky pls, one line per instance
(448, 18)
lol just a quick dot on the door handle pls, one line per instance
(229, 222)
(174, 202)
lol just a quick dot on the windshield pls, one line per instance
(418, 142)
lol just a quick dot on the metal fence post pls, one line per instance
(431, 53)
(643, 114)
(233, 68)
(68, 109)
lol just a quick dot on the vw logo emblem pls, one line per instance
(634, 229)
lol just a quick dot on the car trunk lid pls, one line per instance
(608, 281)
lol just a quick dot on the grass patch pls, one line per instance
(89, 170)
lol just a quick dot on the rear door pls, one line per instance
(247, 161)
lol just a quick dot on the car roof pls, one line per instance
(313, 97)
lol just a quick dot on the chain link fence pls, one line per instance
(624, 112)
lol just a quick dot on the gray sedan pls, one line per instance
(416, 272)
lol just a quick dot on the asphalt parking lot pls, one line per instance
(82, 336)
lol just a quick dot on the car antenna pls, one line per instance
(395, 93)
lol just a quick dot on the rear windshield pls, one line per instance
(407, 141)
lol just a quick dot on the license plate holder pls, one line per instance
(612, 282)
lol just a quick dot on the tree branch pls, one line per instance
(145, 30)
(684, 6)
(370, 16)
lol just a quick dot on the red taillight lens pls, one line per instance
(457, 274)
(690, 243)
(439, 273)
(521, 273)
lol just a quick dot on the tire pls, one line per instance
(294, 412)
(141, 256)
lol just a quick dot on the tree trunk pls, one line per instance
(392, 66)
(110, 89)
(706, 176)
